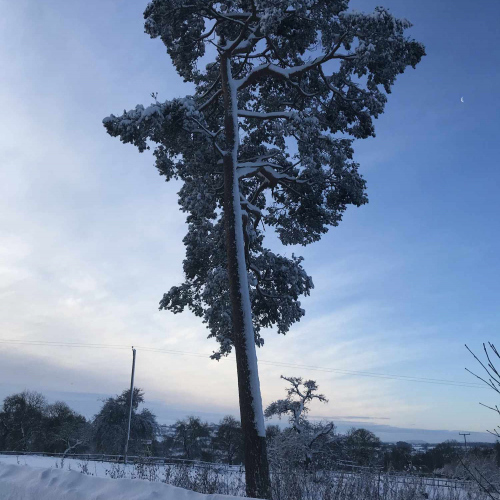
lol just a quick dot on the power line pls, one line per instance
(64, 344)
(99, 346)
(405, 378)
(377, 375)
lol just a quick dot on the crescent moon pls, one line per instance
(461, 99)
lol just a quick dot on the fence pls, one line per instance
(131, 459)
(342, 467)
(343, 481)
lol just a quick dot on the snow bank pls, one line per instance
(42, 462)
(18, 482)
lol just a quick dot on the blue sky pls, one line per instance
(91, 236)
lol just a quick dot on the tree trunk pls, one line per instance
(252, 418)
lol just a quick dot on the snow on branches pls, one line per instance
(306, 77)
(295, 404)
(304, 437)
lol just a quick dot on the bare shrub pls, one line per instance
(300, 483)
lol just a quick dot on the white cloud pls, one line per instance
(90, 238)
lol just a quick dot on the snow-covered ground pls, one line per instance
(69, 464)
(225, 480)
(36, 482)
(97, 469)
(156, 482)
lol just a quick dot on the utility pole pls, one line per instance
(131, 400)
(465, 434)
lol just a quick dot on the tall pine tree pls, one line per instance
(266, 139)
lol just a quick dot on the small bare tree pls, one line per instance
(305, 438)
(493, 377)
(488, 484)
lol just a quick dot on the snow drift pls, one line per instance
(18, 482)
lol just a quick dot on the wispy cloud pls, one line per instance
(90, 238)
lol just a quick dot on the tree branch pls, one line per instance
(287, 73)
(211, 100)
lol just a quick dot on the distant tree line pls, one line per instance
(401, 456)
(29, 423)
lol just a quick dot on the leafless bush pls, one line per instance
(84, 468)
(472, 468)
(207, 479)
(484, 473)
(334, 485)
(492, 379)
(303, 484)
(116, 471)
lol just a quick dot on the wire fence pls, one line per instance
(131, 459)
(339, 481)
(339, 467)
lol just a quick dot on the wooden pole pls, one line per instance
(131, 401)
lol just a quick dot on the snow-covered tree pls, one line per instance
(266, 139)
(303, 440)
